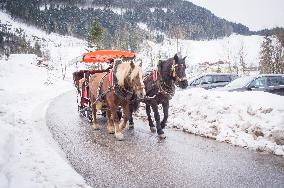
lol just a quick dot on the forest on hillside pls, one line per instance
(120, 19)
(121, 23)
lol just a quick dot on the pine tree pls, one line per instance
(278, 58)
(95, 35)
(266, 56)
(280, 50)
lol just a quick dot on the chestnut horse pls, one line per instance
(114, 89)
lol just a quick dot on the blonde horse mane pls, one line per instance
(123, 70)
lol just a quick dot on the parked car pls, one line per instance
(272, 83)
(209, 81)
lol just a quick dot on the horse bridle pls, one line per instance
(173, 72)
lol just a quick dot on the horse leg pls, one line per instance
(131, 123)
(109, 126)
(117, 131)
(166, 113)
(157, 119)
(151, 124)
(94, 113)
(125, 116)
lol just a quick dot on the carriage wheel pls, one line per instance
(89, 115)
(78, 102)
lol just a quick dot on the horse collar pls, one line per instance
(121, 92)
(118, 90)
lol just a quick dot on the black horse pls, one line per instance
(160, 88)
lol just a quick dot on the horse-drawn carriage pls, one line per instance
(93, 63)
(108, 84)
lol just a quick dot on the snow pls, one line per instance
(152, 9)
(165, 10)
(28, 155)
(119, 11)
(143, 26)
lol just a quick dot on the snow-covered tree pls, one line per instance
(278, 58)
(266, 55)
(242, 55)
(272, 55)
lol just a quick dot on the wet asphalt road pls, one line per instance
(142, 160)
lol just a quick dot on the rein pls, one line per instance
(99, 94)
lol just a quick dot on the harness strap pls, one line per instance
(154, 74)
(110, 77)
(99, 94)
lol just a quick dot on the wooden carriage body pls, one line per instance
(92, 63)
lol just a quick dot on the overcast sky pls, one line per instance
(256, 14)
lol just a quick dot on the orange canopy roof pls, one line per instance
(105, 55)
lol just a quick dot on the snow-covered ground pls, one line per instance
(28, 155)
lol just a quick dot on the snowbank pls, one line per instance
(249, 119)
(28, 155)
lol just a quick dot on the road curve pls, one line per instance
(142, 160)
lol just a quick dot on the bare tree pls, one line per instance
(241, 56)
(177, 32)
(63, 67)
(228, 53)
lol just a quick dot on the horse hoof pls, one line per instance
(153, 129)
(110, 130)
(162, 136)
(96, 127)
(119, 136)
(131, 126)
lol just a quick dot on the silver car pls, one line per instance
(213, 80)
(272, 83)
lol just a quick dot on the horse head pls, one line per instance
(178, 71)
(130, 77)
